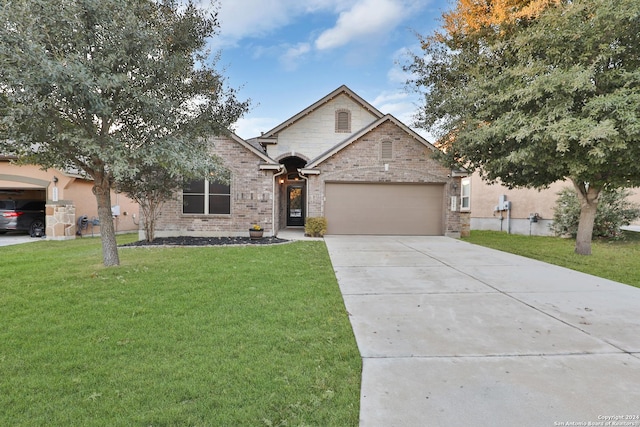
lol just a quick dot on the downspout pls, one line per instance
(303, 173)
(283, 170)
(306, 195)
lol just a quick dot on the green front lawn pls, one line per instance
(614, 260)
(223, 336)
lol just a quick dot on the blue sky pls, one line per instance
(286, 54)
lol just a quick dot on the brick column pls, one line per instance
(61, 221)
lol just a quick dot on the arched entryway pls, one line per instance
(293, 189)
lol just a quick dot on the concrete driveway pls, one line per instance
(453, 334)
(14, 238)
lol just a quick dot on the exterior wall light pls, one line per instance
(54, 195)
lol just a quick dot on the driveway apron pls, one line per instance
(454, 334)
(16, 239)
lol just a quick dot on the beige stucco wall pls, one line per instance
(80, 192)
(71, 190)
(484, 198)
(315, 133)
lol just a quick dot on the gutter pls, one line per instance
(304, 171)
(304, 174)
(281, 170)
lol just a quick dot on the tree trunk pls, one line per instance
(151, 206)
(148, 210)
(588, 196)
(102, 191)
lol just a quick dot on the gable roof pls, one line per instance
(253, 149)
(342, 90)
(384, 119)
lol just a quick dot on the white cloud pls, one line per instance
(254, 126)
(291, 57)
(386, 97)
(252, 18)
(403, 106)
(401, 57)
(365, 19)
(239, 19)
(399, 104)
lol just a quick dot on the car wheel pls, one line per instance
(34, 225)
(3, 232)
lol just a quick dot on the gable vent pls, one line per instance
(386, 150)
(343, 121)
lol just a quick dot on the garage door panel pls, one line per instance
(399, 209)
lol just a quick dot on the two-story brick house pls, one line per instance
(340, 158)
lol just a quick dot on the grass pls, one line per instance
(614, 260)
(223, 336)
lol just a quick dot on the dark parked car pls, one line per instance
(22, 215)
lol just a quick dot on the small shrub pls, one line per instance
(315, 226)
(614, 211)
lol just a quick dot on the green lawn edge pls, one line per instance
(247, 335)
(617, 260)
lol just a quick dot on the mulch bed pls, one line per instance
(207, 241)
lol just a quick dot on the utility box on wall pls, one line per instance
(503, 203)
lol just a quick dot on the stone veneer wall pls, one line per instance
(61, 221)
(465, 224)
(412, 162)
(251, 199)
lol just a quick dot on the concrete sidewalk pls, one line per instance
(453, 334)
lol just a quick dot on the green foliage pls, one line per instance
(315, 226)
(534, 101)
(111, 89)
(254, 335)
(614, 211)
(558, 97)
(119, 83)
(617, 260)
(153, 185)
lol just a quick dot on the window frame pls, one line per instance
(206, 198)
(465, 194)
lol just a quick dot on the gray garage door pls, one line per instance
(391, 209)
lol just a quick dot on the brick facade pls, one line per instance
(259, 185)
(361, 161)
(251, 199)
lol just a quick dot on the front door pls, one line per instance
(295, 205)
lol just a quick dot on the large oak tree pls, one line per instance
(546, 96)
(110, 88)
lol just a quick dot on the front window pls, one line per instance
(206, 197)
(465, 194)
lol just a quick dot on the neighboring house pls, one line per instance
(530, 211)
(340, 158)
(68, 198)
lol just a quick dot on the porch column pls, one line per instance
(61, 221)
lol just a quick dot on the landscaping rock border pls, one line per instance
(206, 241)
